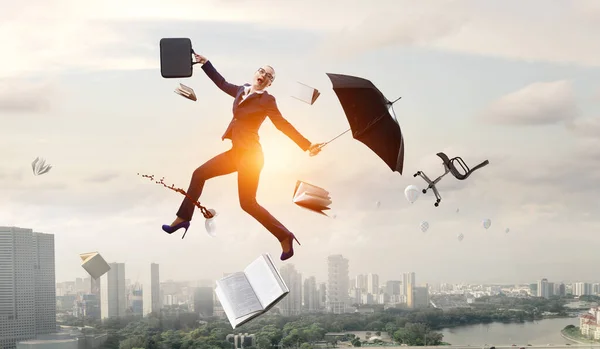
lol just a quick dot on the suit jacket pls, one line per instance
(249, 115)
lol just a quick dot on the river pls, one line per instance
(546, 331)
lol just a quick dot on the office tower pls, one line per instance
(361, 282)
(27, 285)
(114, 296)
(322, 291)
(337, 283)
(204, 304)
(155, 288)
(311, 295)
(582, 289)
(542, 288)
(392, 287)
(420, 297)
(408, 281)
(292, 303)
(373, 284)
(136, 299)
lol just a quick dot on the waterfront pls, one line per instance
(542, 332)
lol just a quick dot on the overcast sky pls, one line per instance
(517, 83)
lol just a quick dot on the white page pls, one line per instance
(271, 264)
(311, 199)
(311, 189)
(263, 281)
(304, 93)
(239, 293)
(226, 306)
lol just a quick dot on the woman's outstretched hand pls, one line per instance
(200, 59)
(314, 149)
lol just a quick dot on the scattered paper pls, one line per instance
(306, 93)
(311, 197)
(186, 92)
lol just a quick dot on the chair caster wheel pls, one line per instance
(415, 175)
(436, 204)
(424, 191)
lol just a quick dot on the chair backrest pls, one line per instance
(449, 163)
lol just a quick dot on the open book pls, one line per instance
(306, 93)
(94, 264)
(252, 292)
(186, 92)
(311, 197)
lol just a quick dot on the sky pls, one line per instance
(516, 83)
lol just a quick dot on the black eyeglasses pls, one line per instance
(268, 75)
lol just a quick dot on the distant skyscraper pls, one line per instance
(155, 288)
(361, 282)
(392, 287)
(582, 289)
(292, 303)
(337, 283)
(373, 284)
(114, 300)
(311, 295)
(420, 297)
(542, 288)
(204, 304)
(408, 282)
(27, 285)
(322, 291)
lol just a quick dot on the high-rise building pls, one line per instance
(136, 299)
(420, 297)
(114, 296)
(409, 283)
(392, 287)
(582, 289)
(361, 282)
(155, 288)
(311, 295)
(27, 285)
(542, 288)
(338, 283)
(204, 304)
(292, 303)
(373, 284)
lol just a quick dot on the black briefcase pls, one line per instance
(176, 58)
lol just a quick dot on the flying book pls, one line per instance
(311, 197)
(186, 92)
(94, 264)
(306, 93)
(252, 292)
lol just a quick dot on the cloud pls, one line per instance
(103, 177)
(469, 27)
(419, 24)
(50, 40)
(588, 127)
(540, 103)
(22, 96)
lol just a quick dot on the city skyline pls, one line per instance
(478, 81)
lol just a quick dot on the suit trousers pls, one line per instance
(248, 163)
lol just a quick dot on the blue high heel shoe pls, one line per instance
(290, 253)
(171, 229)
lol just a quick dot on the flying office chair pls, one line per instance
(449, 167)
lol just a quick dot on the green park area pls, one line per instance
(574, 333)
(180, 329)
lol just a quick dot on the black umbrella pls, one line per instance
(368, 113)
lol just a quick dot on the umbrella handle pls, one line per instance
(334, 138)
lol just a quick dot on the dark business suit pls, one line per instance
(245, 156)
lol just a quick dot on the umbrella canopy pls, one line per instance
(368, 113)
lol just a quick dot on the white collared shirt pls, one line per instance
(247, 92)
